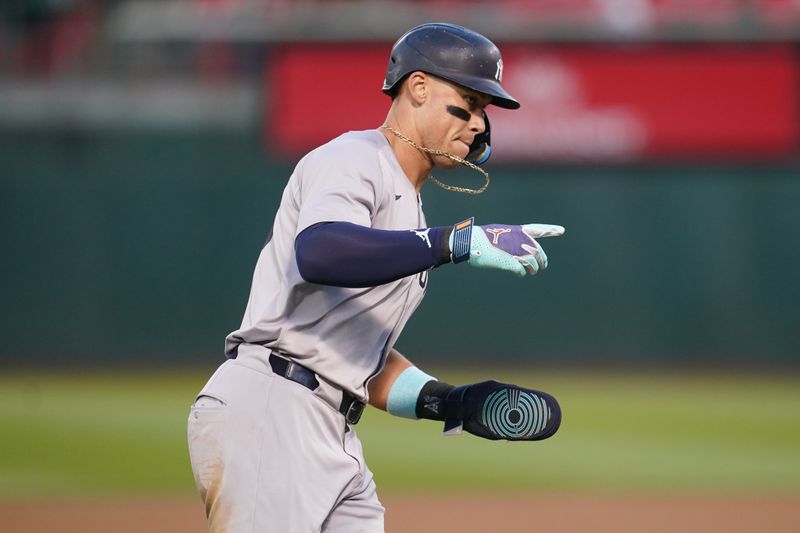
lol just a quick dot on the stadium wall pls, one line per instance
(123, 247)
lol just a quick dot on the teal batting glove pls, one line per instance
(502, 246)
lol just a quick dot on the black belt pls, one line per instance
(351, 407)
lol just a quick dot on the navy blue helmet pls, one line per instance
(451, 52)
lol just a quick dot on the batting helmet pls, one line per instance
(451, 52)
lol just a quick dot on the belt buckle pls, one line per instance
(354, 412)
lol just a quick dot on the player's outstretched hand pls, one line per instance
(502, 246)
(496, 411)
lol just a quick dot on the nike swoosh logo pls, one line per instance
(398, 196)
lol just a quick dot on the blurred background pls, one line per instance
(144, 146)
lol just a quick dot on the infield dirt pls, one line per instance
(532, 513)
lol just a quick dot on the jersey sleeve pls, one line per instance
(339, 185)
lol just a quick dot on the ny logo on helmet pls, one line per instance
(498, 75)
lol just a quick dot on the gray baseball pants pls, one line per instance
(268, 454)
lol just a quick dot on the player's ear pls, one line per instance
(418, 87)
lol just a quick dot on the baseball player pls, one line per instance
(271, 435)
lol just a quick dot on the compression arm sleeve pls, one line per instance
(343, 254)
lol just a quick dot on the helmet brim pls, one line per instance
(500, 97)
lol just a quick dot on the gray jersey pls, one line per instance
(342, 334)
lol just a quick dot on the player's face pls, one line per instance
(454, 116)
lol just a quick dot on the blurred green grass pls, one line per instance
(123, 432)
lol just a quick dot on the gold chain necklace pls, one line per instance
(454, 157)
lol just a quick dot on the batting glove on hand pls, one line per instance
(502, 246)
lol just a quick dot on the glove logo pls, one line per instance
(514, 414)
(433, 407)
(423, 235)
(496, 232)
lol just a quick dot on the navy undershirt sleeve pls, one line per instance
(343, 254)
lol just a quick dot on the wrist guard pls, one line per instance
(491, 410)
(461, 241)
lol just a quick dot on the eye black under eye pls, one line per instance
(458, 112)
